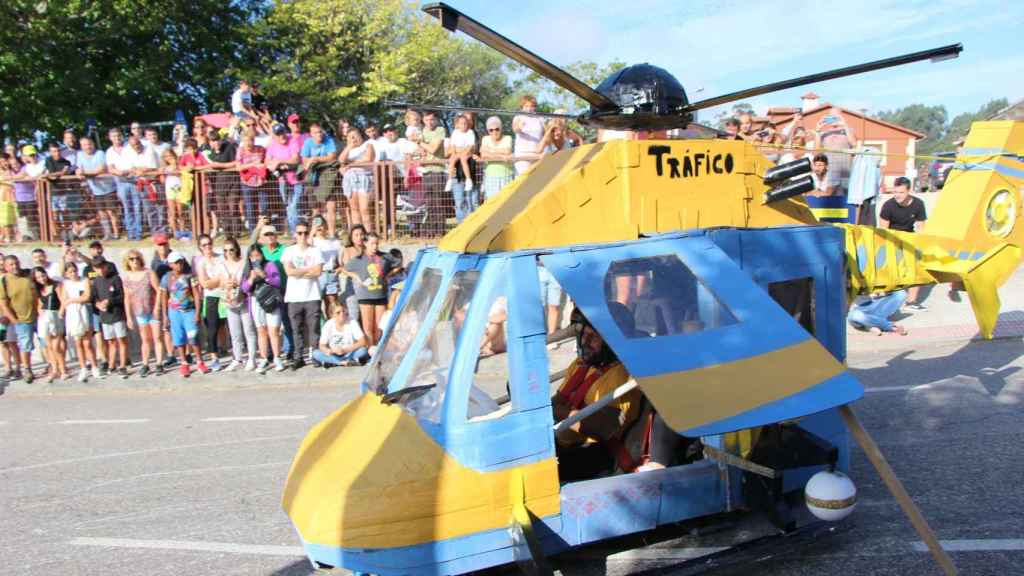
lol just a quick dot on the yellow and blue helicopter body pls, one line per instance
(431, 484)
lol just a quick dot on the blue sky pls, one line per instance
(729, 45)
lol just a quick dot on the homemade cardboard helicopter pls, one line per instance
(735, 335)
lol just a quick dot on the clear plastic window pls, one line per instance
(489, 396)
(408, 324)
(432, 364)
(660, 296)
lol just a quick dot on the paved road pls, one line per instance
(188, 480)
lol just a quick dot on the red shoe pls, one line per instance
(202, 367)
(184, 370)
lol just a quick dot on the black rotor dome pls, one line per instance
(648, 96)
(644, 88)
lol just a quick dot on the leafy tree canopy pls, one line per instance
(345, 58)
(115, 60)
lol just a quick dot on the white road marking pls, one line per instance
(147, 451)
(254, 418)
(123, 421)
(654, 554)
(983, 545)
(190, 545)
(898, 388)
(281, 463)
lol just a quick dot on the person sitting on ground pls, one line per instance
(872, 313)
(593, 446)
(342, 341)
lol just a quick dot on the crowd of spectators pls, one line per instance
(136, 184)
(270, 306)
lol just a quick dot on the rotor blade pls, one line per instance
(935, 54)
(454, 20)
(404, 105)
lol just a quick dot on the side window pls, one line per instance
(489, 394)
(797, 298)
(660, 296)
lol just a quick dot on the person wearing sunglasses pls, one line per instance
(303, 264)
(240, 322)
(208, 266)
(141, 288)
(496, 151)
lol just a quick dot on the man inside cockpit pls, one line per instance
(594, 446)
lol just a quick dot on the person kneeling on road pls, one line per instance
(342, 341)
(872, 313)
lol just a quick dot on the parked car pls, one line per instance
(939, 169)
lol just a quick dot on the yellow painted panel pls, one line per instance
(368, 476)
(695, 397)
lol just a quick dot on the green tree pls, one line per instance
(345, 58)
(737, 109)
(928, 120)
(961, 123)
(115, 60)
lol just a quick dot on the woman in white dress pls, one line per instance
(75, 295)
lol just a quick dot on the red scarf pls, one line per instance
(575, 391)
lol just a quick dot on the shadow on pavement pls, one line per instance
(297, 568)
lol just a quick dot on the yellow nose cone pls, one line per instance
(369, 477)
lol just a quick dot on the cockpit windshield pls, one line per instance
(423, 388)
(407, 325)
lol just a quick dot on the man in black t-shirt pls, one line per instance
(63, 192)
(225, 189)
(907, 213)
(903, 211)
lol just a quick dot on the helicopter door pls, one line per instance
(709, 347)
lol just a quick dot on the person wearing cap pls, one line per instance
(295, 129)
(265, 236)
(25, 191)
(283, 157)
(496, 151)
(177, 303)
(159, 265)
(91, 272)
(108, 300)
(225, 187)
(387, 146)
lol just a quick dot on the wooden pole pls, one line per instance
(896, 487)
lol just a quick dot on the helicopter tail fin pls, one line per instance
(981, 278)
